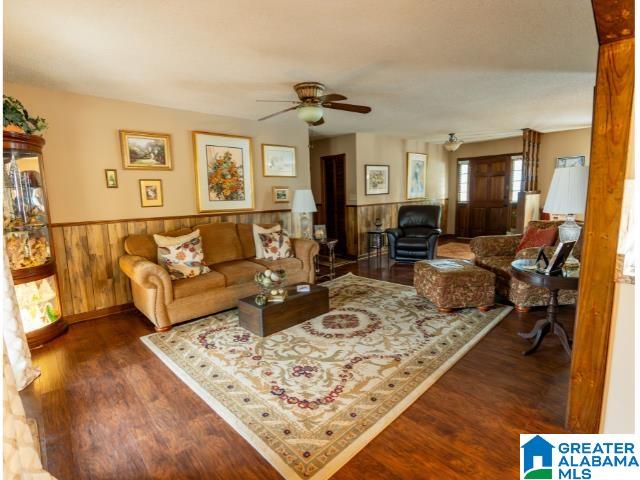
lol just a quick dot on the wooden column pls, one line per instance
(530, 159)
(609, 144)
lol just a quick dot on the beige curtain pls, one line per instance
(20, 455)
(15, 340)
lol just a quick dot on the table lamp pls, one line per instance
(568, 196)
(304, 204)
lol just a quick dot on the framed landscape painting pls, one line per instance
(416, 175)
(278, 161)
(280, 194)
(145, 151)
(376, 179)
(224, 174)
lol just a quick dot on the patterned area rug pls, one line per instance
(310, 397)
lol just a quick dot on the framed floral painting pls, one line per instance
(224, 173)
(416, 175)
(376, 179)
(151, 193)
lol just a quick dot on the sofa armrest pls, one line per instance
(532, 252)
(306, 250)
(394, 232)
(495, 245)
(147, 275)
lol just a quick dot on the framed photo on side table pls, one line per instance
(281, 194)
(145, 151)
(151, 193)
(224, 172)
(416, 175)
(278, 161)
(376, 179)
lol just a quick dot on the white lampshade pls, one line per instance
(303, 202)
(568, 191)
(310, 113)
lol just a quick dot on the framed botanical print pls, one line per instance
(376, 179)
(111, 177)
(281, 194)
(278, 161)
(145, 151)
(151, 193)
(224, 173)
(416, 175)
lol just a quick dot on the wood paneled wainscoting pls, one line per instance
(87, 253)
(361, 219)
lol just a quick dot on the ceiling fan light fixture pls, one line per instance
(310, 113)
(452, 144)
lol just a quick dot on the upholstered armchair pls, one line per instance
(416, 236)
(496, 252)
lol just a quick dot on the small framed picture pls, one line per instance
(320, 232)
(278, 161)
(151, 193)
(376, 179)
(145, 151)
(281, 194)
(111, 177)
(571, 161)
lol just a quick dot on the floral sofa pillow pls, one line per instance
(276, 245)
(181, 256)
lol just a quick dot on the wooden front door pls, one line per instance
(489, 187)
(334, 200)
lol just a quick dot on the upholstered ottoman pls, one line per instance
(453, 284)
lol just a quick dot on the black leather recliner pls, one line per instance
(417, 234)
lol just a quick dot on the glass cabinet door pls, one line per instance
(24, 210)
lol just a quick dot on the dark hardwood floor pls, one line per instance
(107, 408)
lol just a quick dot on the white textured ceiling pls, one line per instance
(482, 68)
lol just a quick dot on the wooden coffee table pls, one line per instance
(275, 316)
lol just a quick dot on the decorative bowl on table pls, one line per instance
(271, 285)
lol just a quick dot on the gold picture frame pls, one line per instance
(281, 194)
(416, 181)
(279, 160)
(151, 193)
(208, 146)
(145, 150)
(111, 177)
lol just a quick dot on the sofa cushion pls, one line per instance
(187, 287)
(411, 244)
(276, 245)
(247, 238)
(238, 271)
(501, 266)
(538, 237)
(181, 256)
(145, 246)
(220, 242)
(288, 264)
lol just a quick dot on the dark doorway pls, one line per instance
(484, 204)
(334, 202)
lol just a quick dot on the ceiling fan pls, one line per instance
(313, 101)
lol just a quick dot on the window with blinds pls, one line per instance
(516, 177)
(463, 181)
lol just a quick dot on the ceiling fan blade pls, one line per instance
(332, 97)
(319, 122)
(347, 107)
(278, 113)
(279, 101)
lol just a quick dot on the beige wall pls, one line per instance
(372, 149)
(82, 140)
(553, 144)
(334, 146)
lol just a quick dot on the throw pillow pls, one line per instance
(181, 256)
(538, 237)
(257, 230)
(276, 245)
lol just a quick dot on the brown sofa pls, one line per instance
(496, 252)
(229, 251)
